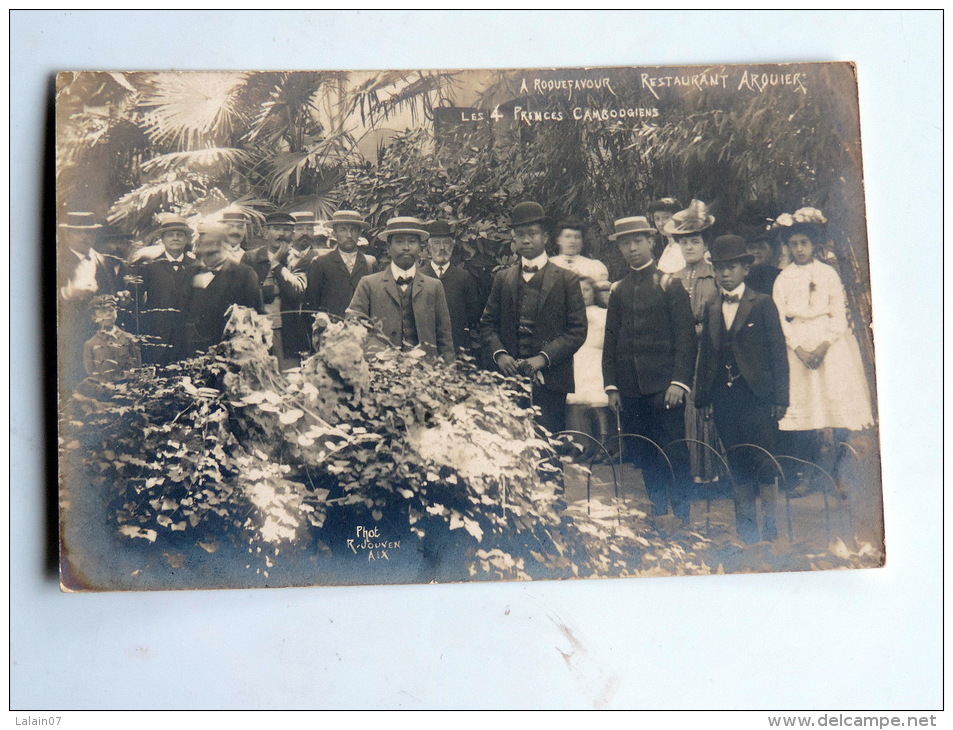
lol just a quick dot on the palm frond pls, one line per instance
(187, 110)
(211, 160)
(137, 208)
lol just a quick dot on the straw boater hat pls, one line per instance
(633, 224)
(730, 248)
(171, 222)
(694, 219)
(233, 215)
(347, 216)
(404, 224)
(304, 218)
(81, 222)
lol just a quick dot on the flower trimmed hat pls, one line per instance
(694, 219)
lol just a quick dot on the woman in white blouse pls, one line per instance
(569, 242)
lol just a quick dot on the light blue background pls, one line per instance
(849, 639)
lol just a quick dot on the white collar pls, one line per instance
(539, 261)
(179, 260)
(398, 272)
(738, 290)
(643, 266)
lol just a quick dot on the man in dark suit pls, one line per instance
(535, 317)
(460, 287)
(743, 381)
(166, 283)
(292, 281)
(82, 273)
(410, 308)
(648, 360)
(216, 284)
(333, 278)
(267, 260)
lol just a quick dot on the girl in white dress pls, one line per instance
(828, 384)
(588, 406)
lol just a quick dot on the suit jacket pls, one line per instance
(650, 334)
(330, 285)
(463, 300)
(377, 296)
(165, 289)
(560, 324)
(295, 325)
(258, 260)
(758, 345)
(204, 319)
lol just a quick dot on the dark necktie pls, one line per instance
(404, 280)
(730, 298)
(530, 269)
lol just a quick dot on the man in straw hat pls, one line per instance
(410, 308)
(743, 381)
(648, 361)
(166, 282)
(333, 278)
(535, 317)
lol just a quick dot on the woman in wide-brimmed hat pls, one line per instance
(828, 383)
(689, 229)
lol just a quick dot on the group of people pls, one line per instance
(701, 348)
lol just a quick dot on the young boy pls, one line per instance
(742, 380)
(109, 353)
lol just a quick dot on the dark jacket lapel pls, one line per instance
(744, 309)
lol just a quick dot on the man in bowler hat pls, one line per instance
(648, 360)
(535, 317)
(410, 308)
(743, 381)
(460, 287)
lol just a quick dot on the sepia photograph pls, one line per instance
(439, 326)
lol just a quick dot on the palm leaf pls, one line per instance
(212, 160)
(186, 110)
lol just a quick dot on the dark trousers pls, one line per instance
(553, 406)
(646, 415)
(741, 418)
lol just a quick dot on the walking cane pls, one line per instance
(618, 428)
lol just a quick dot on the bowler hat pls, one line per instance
(694, 219)
(633, 224)
(81, 222)
(439, 229)
(171, 222)
(279, 219)
(730, 248)
(404, 224)
(347, 216)
(529, 212)
(304, 217)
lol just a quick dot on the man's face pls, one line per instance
(302, 235)
(346, 234)
(404, 249)
(729, 274)
(78, 239)
(441, 249)
(569, 242)
(104, 317)
(761, 252)
(175, 242)
(235, 233)
(279, 234)
(210, 253)
(529, 241)
(660, 218)
(636, 248)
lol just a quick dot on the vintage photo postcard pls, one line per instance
(340, 327)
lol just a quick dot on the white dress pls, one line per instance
(583, 266)
(813, 309)
(587, 362)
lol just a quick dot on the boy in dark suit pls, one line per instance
(743, 381)
(535, 318)
(648, 360)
